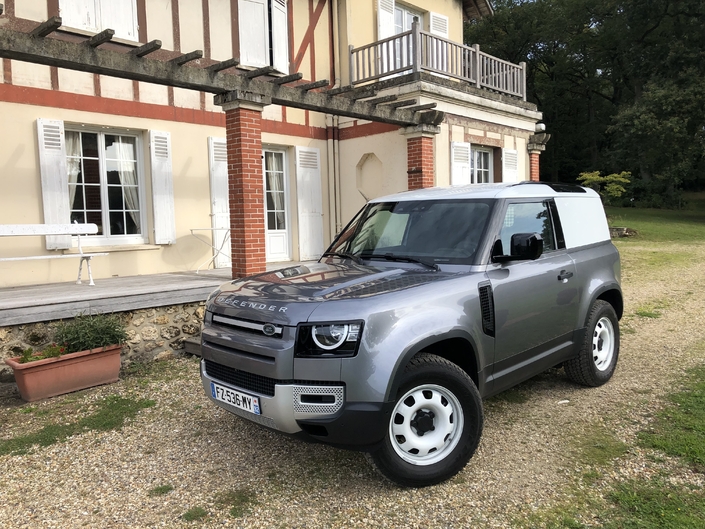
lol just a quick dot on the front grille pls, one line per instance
(487, 307)
(255, 383)
(241, 379)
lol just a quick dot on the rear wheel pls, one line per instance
(435, 426)
(598, 355)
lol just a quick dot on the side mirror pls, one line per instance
(526, 246)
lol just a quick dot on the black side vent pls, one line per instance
(487, 306)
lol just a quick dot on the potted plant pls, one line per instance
(85, 353)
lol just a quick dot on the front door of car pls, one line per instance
(535, 301)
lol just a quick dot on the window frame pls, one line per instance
(105, 239)
(475, 150)
(558, 243)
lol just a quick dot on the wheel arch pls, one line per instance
(456, 347)
(612, 295)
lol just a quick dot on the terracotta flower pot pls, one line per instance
(55, 376)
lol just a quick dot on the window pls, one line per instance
(445, 231)
(263, 30)
(527, 217)
(276, 192)
(96, 176)
(98, 15)
(470, 164)
(104, 184)
(481, 165)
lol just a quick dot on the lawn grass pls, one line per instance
(599, 500)
(679, 429)
(661, 225)
(110, 414)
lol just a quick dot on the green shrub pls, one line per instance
(89, 331)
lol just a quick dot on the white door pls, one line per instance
(220, 201)
(310, 203)
(277, 218)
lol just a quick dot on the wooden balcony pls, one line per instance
(417, 51)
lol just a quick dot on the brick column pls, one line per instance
(419, 155)
(243, 127)
(537, 144)
(534, 166)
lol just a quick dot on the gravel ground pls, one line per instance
(526, 460)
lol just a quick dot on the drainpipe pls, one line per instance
(330, 150)
(336, 43)
(338, 192)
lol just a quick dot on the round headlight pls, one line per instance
(329, 337)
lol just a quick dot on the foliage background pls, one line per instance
(621, 84)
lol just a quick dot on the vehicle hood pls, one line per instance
(290, 295)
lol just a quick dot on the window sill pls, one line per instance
(86, 33)
(122, 248)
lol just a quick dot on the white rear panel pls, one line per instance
(583, 220)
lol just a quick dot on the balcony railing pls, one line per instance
(416, 50)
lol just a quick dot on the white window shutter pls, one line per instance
(162, 187)
(310, 202)
(80, 14)
(438, 24)
(280, 36)
(253, 19)
(120, 15)
(460, 173)
(220, 198)
(55, 180)
(385, 19)
(510, 165)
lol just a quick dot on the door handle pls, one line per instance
(564, 276)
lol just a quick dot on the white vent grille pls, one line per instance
(511, 159)
(281, 3)
(387, 5)
(52, 137)
(220, 152)
(161, 147)
(439, 25)
(337, 392)
(308, 160)
(461, 155)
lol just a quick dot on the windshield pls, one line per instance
(443, 231)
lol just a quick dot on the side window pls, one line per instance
(528, 217)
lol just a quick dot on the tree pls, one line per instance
(620, 83)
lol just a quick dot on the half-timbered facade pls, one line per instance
(176, 179)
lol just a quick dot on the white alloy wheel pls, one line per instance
(426, 424)
(603, 344)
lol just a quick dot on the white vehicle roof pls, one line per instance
(505, 190)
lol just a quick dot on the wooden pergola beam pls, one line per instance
(146, 49)
(76, 56)
(47, 27)
(224, 65)
(187, 57)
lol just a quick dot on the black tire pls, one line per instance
(443, 402)
(595, 363)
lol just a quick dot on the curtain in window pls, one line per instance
(73, 162)
(128, 178)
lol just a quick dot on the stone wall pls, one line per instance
(152, 334)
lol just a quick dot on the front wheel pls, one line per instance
(435, 426)
(598, 355)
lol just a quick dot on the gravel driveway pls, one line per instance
(525, 460)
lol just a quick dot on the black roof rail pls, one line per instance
(558, 187)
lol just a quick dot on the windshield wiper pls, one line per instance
(404, 259)
(343, 255)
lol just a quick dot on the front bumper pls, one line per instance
(291, 411)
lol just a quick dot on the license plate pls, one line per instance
(235, 398)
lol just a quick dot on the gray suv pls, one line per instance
(426, 303)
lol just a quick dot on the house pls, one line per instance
(148, 162)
